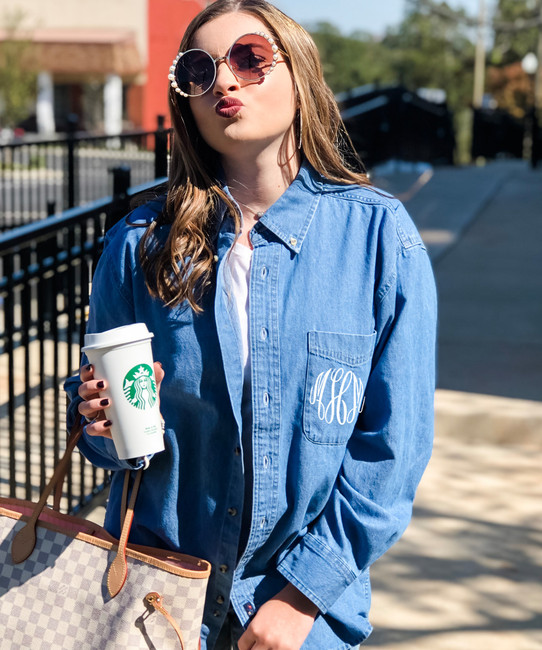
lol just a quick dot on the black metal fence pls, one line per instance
(43, 177)
(392, 122)
(496, 133)
(45, 274)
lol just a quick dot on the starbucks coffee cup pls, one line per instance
(123, 357)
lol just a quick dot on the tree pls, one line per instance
(433, 50)
(512, 44)
(351, 61)
(17, 72)
(511, 88)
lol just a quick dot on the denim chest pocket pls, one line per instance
(337, 371)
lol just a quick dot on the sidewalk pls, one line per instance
(468, 572)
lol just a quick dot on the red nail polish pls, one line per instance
(101, 385)
(108, 423)
(104, 402)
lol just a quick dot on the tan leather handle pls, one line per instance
(118, 571)
(25, 540)
(155, 600)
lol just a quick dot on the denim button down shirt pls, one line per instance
(342, 339)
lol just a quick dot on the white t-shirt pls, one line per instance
(238, 277)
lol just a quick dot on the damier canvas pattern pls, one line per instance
(58, 599)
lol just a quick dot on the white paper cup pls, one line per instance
(123, 357)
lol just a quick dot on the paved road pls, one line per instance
(467, 574)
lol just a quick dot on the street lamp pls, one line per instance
(529, 63)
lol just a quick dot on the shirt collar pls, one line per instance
(299, 203)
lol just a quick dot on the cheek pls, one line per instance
(279, 103)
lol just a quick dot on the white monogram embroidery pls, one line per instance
(346, 398)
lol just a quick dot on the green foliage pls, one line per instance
(351, 61)
(426, 50)
(17, 74)
(432, 51)
(511, 46)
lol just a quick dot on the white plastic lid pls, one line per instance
(117, 336)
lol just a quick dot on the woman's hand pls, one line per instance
(92, 407)
(282, 623)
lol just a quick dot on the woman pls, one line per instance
(293, 311)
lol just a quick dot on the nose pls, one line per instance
(225, 80)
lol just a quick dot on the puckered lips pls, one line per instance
(229, 107)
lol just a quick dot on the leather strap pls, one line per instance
(155, 600)
(77, 429)
(118, 571)
(25, 540)
(124, 498)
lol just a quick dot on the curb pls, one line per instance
(474, 418)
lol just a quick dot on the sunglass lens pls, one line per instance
(195, 72)
(251, 56)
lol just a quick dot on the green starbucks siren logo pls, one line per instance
(139, 387)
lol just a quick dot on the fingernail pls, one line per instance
(104, 402)
(89, 367)
(108, 423)
(101, 384)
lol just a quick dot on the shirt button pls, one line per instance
(232, 511)
(264, 272)
(266, 462)
(293, 241)
(220, 600)
(238, 451)
(263, 333)
(266, 399)
(262, 522)
(223, 568)
(216, 613)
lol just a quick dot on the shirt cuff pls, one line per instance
(317, 571)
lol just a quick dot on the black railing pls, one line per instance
(45, 273)
(496, 133)
(391, 122)
(44, 177)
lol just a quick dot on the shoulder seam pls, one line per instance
(385, 201)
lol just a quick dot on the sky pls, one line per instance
(351, 15)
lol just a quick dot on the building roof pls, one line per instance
(85, 51)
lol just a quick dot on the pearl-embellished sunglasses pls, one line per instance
(251, 57)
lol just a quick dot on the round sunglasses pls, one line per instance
(251, 58)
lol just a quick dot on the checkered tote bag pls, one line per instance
(65, 583)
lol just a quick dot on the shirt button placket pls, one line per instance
(264, 361)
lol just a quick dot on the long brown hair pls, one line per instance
(181, 268)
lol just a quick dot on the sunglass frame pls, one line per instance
(172, 76)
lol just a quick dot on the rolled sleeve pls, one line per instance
(371, 502)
